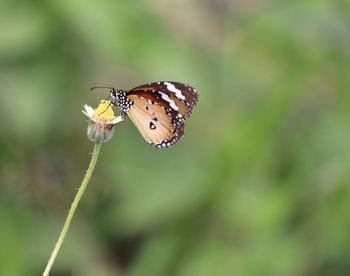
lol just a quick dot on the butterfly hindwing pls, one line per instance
(154, 121)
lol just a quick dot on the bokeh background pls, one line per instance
(259, 185)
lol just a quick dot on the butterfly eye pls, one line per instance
(113, 93)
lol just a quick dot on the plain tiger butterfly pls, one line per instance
(157, 109)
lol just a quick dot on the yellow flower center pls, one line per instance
(104, 111)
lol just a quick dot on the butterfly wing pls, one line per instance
(181, 98)
(154, 123)
(159, 110)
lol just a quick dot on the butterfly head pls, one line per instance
(115, 93)
(120, 99)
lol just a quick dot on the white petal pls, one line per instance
(117, 120)
(88, 110)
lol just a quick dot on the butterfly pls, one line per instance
(157, 109)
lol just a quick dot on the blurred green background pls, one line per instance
(259, 185)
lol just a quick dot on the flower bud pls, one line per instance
(101, 123)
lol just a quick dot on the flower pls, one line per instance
(102, 121)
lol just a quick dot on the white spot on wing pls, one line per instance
(170, 101)
(172, 88)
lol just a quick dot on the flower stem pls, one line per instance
(73, 207)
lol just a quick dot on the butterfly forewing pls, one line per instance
(181, 98)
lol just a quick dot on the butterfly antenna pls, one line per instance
(102, 84)
(96, 87)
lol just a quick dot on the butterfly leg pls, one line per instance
(118, 119)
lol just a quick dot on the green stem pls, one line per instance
(74, 206)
